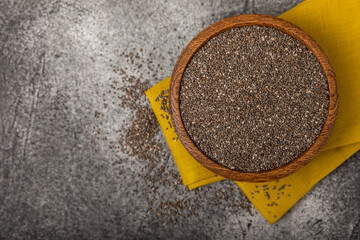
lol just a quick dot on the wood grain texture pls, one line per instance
(240, 21)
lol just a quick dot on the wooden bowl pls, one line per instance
(240, 21)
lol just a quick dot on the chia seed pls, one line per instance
(282, 187)
(253, 98)
(267, 195)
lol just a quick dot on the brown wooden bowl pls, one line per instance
(240, 21)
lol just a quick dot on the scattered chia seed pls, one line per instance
(267, 195)
(282, 187)
(164, 98)
(253, 98)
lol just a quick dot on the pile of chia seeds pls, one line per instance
(253, 98)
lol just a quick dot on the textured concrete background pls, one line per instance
(54, 68)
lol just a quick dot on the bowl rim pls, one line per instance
(239, 21)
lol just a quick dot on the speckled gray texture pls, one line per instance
(53, 70)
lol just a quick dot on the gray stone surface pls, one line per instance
(54, 69)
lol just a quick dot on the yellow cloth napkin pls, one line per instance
(335, 25)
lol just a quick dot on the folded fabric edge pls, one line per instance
(205, 182)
